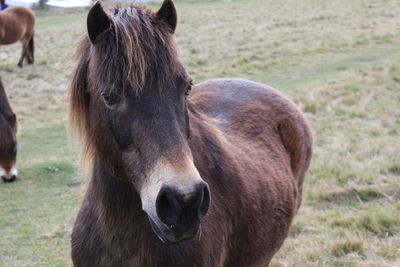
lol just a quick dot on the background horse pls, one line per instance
(235, 150)
(8, 138)
(17, 24)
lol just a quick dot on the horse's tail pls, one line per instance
(296, 137)
(31, 46)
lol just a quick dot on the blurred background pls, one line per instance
(50, 3)
(338, 60)
(65, 3)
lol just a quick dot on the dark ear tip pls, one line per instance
(96, 7)
(168, 13)
(97, 21)
(96, 4)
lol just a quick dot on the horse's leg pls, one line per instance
(23, 54)
(31, 58)
(21, 59)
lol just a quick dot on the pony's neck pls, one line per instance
(212, 151)
(5, 107)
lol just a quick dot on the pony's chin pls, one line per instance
(166, 235)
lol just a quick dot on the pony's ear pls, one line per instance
(168, 14)
(12, 120)
(97, 22)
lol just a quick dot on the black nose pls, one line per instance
(175, 209)
(11, 179)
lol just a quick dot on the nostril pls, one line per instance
(205, 203)
(168, 207)
(9, 179)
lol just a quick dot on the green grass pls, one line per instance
(338, 60)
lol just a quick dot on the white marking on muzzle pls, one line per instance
(8, 175)
(183, 178)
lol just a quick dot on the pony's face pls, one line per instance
(8, 147)
(145, 122)
(151, 132)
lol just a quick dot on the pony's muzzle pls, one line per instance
(8, 176)
(181, 213)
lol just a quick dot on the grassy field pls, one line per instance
(339, 60)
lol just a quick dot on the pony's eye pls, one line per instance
(110, 98)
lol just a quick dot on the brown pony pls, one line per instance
(17, 24)
(8, 139)
(211, 179)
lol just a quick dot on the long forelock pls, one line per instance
(141, 51)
